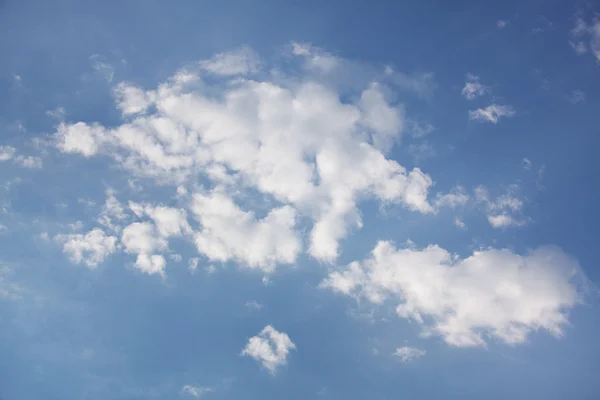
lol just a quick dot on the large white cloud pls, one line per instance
(270, 347)
(493, 294)
(291, 138)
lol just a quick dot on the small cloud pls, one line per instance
(576, 96)
(196, 392)
(270, 348)
(58, 113)
(254, 305)
(242, 61)
(408, 354)
(491, 113)
(193, 264)
(527, 164)
(473, 88)
(502, 23)
(7, 152)
(102, 68)
(29, 162)
(459, 223)
(175, 257)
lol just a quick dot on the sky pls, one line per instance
(299, 199)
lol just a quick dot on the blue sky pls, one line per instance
(329, 200)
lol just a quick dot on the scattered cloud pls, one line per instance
(576, 97)
(29, 162)
(254, 305)
(7, 153)
(473, 88)
(491, 113)
(502, 23)
(503, 211)
(459, 223)
(527, 164)
(408, 354)
(586, 37)
(492, 294)
(455, 198)
(196, 392)
(270, 348)
(90, 249)
(242, 61)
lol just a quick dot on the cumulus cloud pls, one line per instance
(473, 88)
(270, 348)
(229, 233)
(293, 140)
(492, 113)
(492, 294)
(142, 238)
(90, 249)
(408, 354)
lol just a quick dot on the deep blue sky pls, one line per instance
(112, 331)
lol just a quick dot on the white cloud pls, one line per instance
(586, 37)
(504, 211)
(254, 305)
(58, 113)
(292, 140)
(491, 113)
(131, 99)
(102, 67)
(576, 96)
(29, 161)
(527, 163)
(501, 23)
(196, 392)
(7, 153)
(455, 198)
(242, 61)
(229, 233)
(459, 223)
(408, 354)
(113, 213)
(270, 348)
(193, 264)
(473, 88)
(505, 221)
(142, 238)
(90, 249)
(493, 294)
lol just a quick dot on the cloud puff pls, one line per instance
(7, 153)
(228, 233)
(270, 348)
(196, 392)
(491, 113)
(89, 249)
(242, 61)
(408, 354)
(503, 211)
(292, 139)
(586, 37)
(493, 294)
(473, 88)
